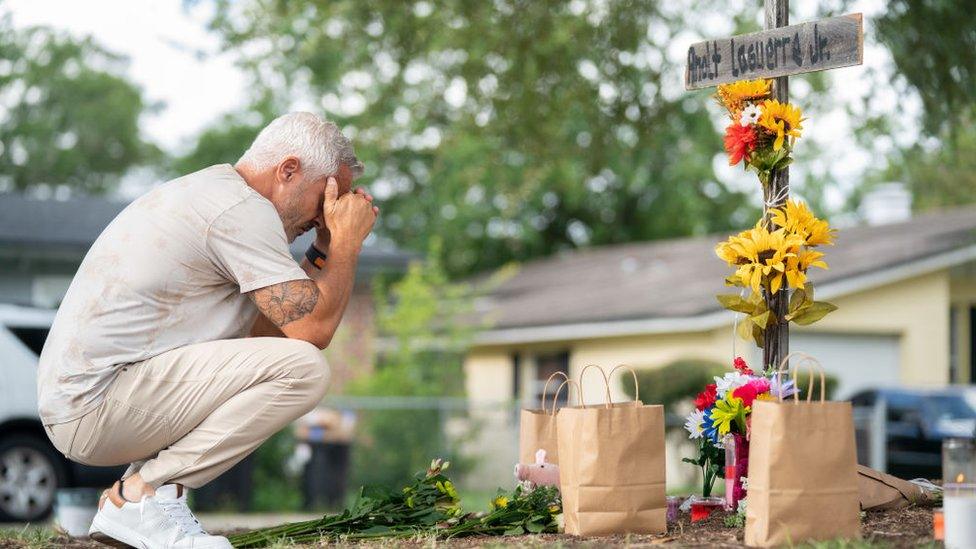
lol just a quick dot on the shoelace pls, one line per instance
(177, 510)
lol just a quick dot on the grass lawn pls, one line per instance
(887, 529)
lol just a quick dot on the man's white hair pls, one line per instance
(317, 143)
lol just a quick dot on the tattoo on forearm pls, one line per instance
(286, 302)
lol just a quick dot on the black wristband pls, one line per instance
(315, 256)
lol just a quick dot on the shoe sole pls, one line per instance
(115, 535)
(108, 540)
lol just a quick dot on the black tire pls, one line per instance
(25, 452)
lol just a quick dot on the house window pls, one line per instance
(547, 365)
(516, 376)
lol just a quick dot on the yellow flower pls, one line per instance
(449, 489)
(499, 502)
(797, 219)
(782, 119)
(727, 411)
(760, 256)
(796, 266)
(734, 95)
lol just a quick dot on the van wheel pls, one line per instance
(30, 474)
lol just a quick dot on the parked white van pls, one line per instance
(31, 469)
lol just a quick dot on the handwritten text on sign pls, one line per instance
(813, 46)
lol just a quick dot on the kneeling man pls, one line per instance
(148, 361)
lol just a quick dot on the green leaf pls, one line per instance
(797, 301)
(761, 320)
(744, 329)
(378, 529)
(812, 313)
(516, 531)
(535, 527)
(757, 335)
(735, 303)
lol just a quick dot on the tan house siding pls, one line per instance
(915, 310)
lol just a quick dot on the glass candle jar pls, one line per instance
(958, 461)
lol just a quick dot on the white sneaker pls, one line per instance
(160, 521)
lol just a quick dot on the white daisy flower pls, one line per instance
(695, 424)
(750, 115)
(729, 382)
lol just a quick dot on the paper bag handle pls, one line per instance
(813, 364)
(606, 383)
(555, 396)
(632, 372)
(545, 388)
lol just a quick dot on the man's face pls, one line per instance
(301, 200)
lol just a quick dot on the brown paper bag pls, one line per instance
(611, 471)
(802, 469)
(537, 428)
(881, 491)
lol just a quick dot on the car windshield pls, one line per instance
(949, 407)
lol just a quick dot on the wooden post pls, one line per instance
(776, 344)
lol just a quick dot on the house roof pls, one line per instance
(66, 229)
(670, 285)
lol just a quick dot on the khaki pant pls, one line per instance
(189, 414)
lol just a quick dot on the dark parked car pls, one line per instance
(31, 469)
(916, 422)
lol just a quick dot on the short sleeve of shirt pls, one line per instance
(248, 243)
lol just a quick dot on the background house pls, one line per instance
(906, 293)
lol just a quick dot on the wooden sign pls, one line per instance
(814, 46)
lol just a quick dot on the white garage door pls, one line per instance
(857, 361)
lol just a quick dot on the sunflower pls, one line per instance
(733, 96)
(757, 254)
(797, 219)
(798, 264)
(782, 119)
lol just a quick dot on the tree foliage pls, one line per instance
(420, 318)
(939, 176)
(509, 129)
(932, 43)
(68, 118)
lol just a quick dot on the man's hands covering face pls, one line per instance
(346, 219)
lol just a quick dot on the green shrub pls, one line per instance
(419, 318)
(683, 379)
(677, 381)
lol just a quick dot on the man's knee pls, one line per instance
(309, 364)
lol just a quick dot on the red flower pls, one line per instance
(741, 365)
(739, 142)
(706, 398)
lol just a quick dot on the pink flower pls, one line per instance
(751, 390)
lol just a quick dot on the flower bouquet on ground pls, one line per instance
(720, 423)
(427, 507)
